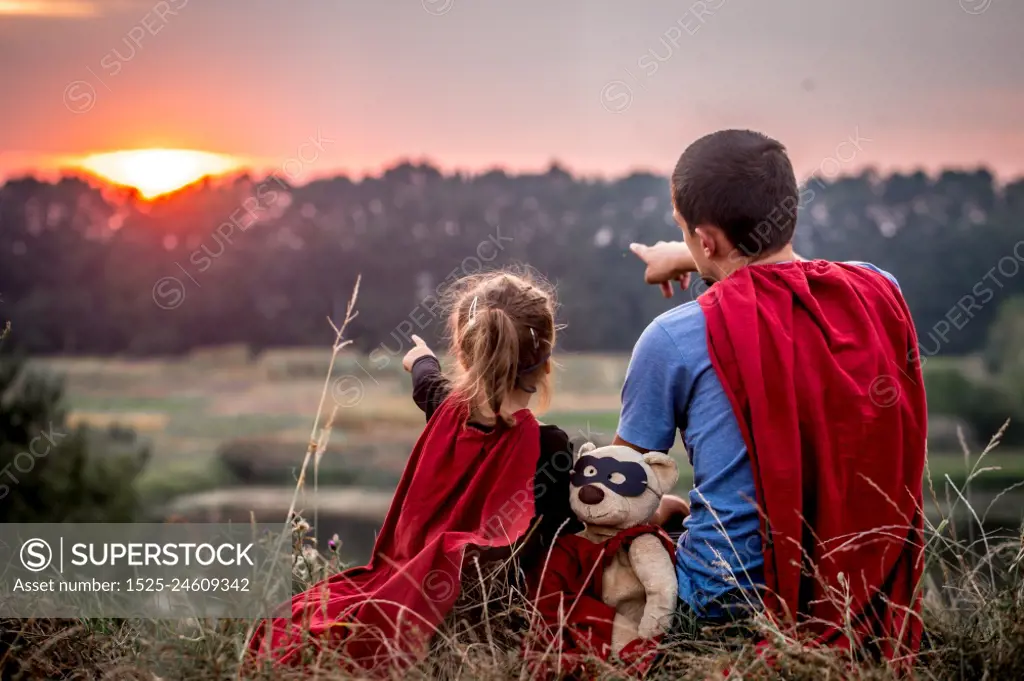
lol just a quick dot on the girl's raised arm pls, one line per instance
(429, 386)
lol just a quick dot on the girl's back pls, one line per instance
(528, 440)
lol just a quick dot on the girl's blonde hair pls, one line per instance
(502, 330)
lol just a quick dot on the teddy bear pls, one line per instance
(610, 590)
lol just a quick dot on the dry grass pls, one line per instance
(974, 630)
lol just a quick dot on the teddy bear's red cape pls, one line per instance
(819, 361)
(461, 488)
(572, 622)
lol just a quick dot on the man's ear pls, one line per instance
(665, 470)
(708, 242)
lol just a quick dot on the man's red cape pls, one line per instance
(819, 362)
(461, 488)
(573, 623)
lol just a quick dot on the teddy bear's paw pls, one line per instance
(651, 626)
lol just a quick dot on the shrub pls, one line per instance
(266, 461)
(1004, 350)
(50, 472)
(983, 403)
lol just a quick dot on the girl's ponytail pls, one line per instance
(491, 344)
(502, 328)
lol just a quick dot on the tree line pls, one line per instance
(88, 268)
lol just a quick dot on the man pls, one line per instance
(791, 384)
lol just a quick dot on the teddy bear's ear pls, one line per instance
(584, 448)
(665, 469)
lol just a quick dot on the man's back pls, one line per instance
(671, 385)
(817, 359)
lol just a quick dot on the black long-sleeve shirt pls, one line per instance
(551, 481)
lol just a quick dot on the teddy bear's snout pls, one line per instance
(591, 494)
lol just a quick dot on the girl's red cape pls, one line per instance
(461, 488)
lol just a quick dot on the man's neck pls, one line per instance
(732, 263)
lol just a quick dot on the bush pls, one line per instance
(50, 472)
(162, 483)
(265, 461)
(944, 433)
(983, 403)
(1004, 350)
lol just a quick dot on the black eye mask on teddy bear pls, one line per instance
(625, 478)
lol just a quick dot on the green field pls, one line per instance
(193, 410)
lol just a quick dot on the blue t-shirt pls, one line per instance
(671, 386)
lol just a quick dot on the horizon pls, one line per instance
(262, 172)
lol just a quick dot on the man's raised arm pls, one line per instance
(668, 263)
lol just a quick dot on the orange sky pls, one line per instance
(602, 86)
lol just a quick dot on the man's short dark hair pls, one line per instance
(741, 182)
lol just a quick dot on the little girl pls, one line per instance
(483, 477)
(503, 332)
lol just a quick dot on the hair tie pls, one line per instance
(472, 311)
(529, 370)
(534, 367)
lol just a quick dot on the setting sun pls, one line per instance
(157, 171)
